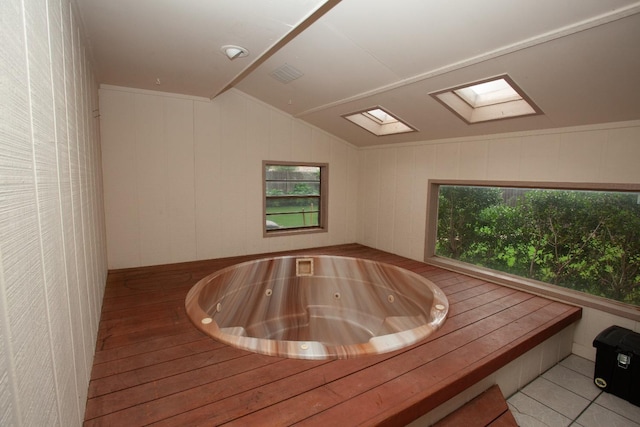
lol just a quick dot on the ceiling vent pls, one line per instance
(286, 73)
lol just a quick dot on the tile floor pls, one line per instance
(566, 396)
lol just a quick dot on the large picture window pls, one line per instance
(584, 239)
(295, 197)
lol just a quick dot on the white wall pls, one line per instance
(183, 179)
(393, 179)
(183, 176)
(52, 251)
(393, 184)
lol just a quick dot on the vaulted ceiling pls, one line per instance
(578, 60)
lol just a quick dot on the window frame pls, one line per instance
(323, 200)
(510, 280)
(368, 121)
(471, 114)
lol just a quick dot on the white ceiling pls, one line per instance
(578, 60)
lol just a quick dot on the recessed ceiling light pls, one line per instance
(234, 52)
(491, 99)
(379, 122)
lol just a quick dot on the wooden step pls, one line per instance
(487, 409)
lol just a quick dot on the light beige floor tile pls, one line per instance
(557, 398)
(598, 416)
(564, 393)
(619, 406)
(531, 413)
(579, 364)
(573, 381)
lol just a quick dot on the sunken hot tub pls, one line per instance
(316, 307)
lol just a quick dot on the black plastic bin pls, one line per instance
(618, 363)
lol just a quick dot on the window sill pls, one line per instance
(538, 288)
(293, 232)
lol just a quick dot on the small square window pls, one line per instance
(493, 99)
(295, 197)
(379, 122)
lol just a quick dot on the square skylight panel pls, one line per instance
(493, 99)
(379, 122)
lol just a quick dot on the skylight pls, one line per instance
(379, 122)
(494, 99)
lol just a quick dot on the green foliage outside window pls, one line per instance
(583, 240)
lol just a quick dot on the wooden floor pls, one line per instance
(153, 367)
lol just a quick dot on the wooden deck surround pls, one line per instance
(487, 410)
(153, 367)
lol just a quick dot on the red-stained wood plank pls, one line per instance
(457, 307)
(505, 420)
(444, 276)
(239, 405)
(347, 390)
(149, 281)
(397, 401)
(130, 363)
(141, 300)
(178, 338)
(154, 372)
(119, 314)
(112, 341)
(458, 284)
(358, 381)
(482, 411)
(193, 398)
(141, 322)
(228, 364)
(282, 392)
(152, 366)
(468, 292)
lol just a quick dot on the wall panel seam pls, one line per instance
(37, 192)
(61, 208)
